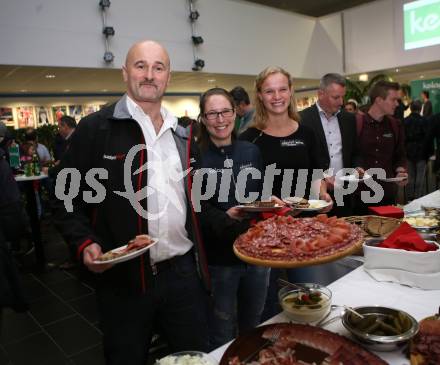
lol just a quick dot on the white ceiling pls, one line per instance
(26, 80)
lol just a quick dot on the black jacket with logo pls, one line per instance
(103, 140)
(219, 230)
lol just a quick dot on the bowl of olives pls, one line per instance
(381, 328)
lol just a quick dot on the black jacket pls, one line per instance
(11, 225)
(347, 125)
(416, 137)
(103, 140)
(219, 230)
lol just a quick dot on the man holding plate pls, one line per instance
(142, 155)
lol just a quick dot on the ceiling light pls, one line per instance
(23, 90)
(104, 4)
(66, 90)
(198, 64)
(108, 31)
(194, 15)
(363, 77)
(347, 77)
(50, 76)
(109, 57)
(212, 80)
(421, 76)
(197, 40)
(397, 70)
(303, 86)
(104, 90)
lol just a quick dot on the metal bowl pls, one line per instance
(380, 343)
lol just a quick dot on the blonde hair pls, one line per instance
(260, 117)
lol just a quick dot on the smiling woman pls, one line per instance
(239, 289)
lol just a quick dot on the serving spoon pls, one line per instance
(292, 285)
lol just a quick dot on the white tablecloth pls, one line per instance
(430, 200)
(359, 289)
(30, 178)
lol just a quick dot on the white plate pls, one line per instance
(251, 208)
(317, 205)
(394, 179)
(354, 178)
(128, 256)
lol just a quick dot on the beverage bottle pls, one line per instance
(36, 164)
(28, 168)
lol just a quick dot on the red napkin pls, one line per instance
(281, 211)
(406, 238)
(387, 211)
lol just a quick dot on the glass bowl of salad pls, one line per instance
(306, 304)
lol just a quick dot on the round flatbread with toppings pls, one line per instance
(287, 242)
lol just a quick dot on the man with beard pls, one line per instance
(166, 286)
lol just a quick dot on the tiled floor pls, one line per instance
(61, 326)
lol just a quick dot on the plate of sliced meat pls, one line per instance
(293, 344)
(134, 248)
(287, 242)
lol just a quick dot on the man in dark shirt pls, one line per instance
(244, 109)
(381, 142)
(427, 105)
(416, 138)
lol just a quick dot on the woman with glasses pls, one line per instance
(239, 290)
(285, 145)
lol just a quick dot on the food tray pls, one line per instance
(375, 225)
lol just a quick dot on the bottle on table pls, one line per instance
(36, 164)
(28, 168)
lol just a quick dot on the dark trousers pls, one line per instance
(174, 301)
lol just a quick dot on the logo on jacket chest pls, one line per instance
(291, 143)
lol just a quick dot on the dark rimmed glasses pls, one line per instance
(225, 113)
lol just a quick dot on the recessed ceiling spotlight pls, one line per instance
(66, 90)
(104, 90)
(422, 76)
(303, 86)
(212, 80)
(50, 76)
(23, 90)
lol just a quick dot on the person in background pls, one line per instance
(243, 108)
(42, 151)
(66, 127)
(335, 133)
(351, 106)
(427, 105)
(286, 144)
(238, 289)
(185, 121)
(381, 143)
(416, 137)
(399, 112)
(166, 286)
(11, 228)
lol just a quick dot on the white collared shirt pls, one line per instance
(168, 199)
(333, 139)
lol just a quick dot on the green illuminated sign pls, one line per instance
(421, 22)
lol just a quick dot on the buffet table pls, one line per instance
(359, 289)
